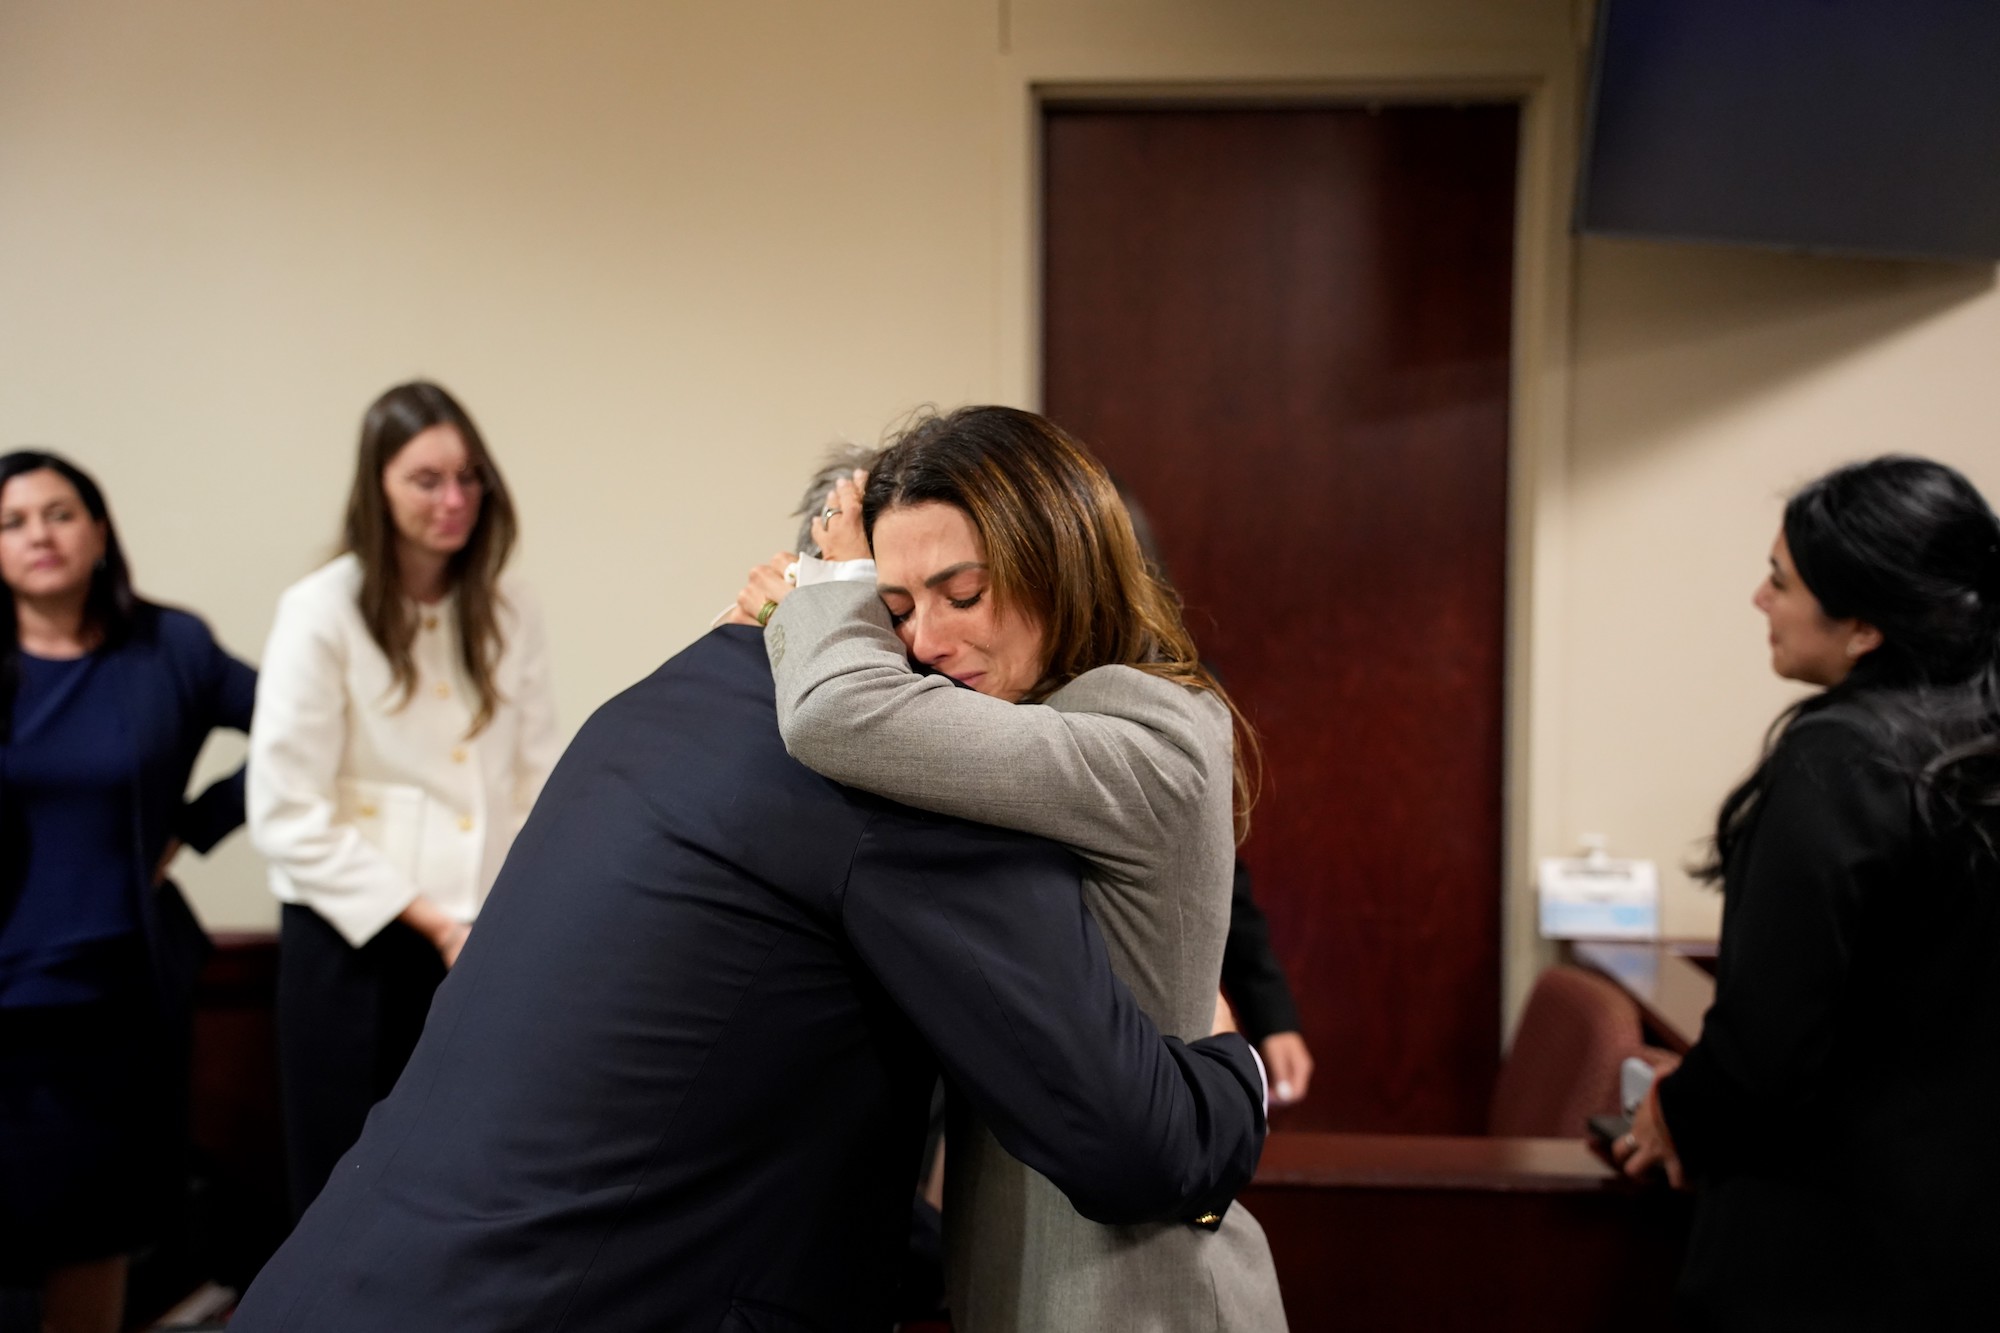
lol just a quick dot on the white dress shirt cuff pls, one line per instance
(1263, 1078)
(813, 570)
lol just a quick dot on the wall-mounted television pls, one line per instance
(1841, 126)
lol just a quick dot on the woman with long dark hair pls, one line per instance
(105, 701)
(405, 724)
(1829, 1116)
(1012, 659)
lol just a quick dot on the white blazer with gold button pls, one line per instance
(362, 800)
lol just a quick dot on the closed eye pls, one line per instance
(967, 603)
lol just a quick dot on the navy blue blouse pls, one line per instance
(92, 787)
(75, 915)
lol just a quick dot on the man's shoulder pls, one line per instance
(706, 721)
(728, 660)
(702, 731)
(720, 681)
(910, 837)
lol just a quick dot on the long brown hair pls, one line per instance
(392, 421)
(1059, 547)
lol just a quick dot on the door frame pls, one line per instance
(1545, 84)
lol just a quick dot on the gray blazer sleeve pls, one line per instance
(1111, 765)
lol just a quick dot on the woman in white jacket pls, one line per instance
(404, 726)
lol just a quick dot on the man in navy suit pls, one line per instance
(680, 1075)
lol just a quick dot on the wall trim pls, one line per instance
(1546, 84)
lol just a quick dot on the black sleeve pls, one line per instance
(228, 689)
(981, 937)
(1250, 971)
(1829, 826)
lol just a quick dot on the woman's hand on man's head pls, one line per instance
(837, 530)
(837, 527)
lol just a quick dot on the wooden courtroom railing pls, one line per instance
(235, 1214)
(1395, 1231)
(1368, 1231)
(1392, 1232)
(1668, 980)
(236, 1128)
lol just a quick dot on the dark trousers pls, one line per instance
(348, 1019)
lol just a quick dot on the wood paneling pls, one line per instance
(1410, 1232)
(1287, 332)
(237, 1131)
(1672, 986)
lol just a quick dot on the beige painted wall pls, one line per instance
(665, 249)
(664, 252)
(1708, 383)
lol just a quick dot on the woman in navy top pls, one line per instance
(105, 700)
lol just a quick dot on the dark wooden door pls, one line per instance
(1286, 330)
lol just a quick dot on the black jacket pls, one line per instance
(680, 1076)
(1832, 1114)
(1250, 971)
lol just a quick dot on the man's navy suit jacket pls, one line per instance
(680, 1075)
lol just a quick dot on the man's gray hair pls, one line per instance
(841, 460)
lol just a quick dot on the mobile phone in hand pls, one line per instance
(1635, 1080)
(1605, 1131)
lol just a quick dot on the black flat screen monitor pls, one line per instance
(1844, 126)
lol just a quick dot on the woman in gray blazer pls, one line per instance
(1054, 690)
